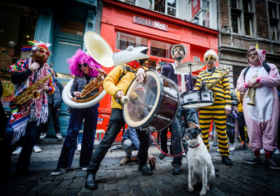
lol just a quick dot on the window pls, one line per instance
(72, 27)
(272, 10)
(166, 6)
(160, 49)
(273, 27)
(133, 2)
(171, 7)
(247, 23)
(124, 40)
(247, 5)
(234, 4)
(235, 23)
(204, 17)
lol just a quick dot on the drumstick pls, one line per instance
(184, 84)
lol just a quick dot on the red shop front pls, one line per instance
(126, 25)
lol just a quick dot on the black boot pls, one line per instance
(90, 181)
(216, 169)
(145, 170)
(176, 170)
(161, 156)
(226, 160)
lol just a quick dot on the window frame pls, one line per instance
(200, 15)
(238, 22)
(176, 8)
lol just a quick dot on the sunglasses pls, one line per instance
(254, 54)
(209, 58)
(82, 65)
(44, 52)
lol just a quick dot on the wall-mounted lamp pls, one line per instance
(226, 28)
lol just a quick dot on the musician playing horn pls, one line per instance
(261, 119)
(116, 84)
(221, 108)
(26, 118)
(178, 52)
(81, 66)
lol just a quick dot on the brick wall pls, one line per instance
(225, 39)
(276, 49)
(262, 21)
(224, 13)
(243, 44)
(265, 46)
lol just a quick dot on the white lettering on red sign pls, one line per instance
(150, 23)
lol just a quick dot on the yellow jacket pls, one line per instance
(112, 84)
(240, 104)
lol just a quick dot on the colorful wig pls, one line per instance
(35, 45)
(80, 58)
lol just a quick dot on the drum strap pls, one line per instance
(125, 70)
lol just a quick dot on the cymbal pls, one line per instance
(194, 65)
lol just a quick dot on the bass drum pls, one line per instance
(153, 103)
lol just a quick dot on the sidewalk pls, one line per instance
(240, 179)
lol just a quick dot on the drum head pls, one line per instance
(144, 98)
(198, 105)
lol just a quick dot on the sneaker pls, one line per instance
(184, 154)
(124, 161)
(43, 135)
(276, 151)
(215, 143)
(79, 147)
(237, 139)
(262, 151)
(17, 151)
(59, 136)
(242, 145)
(253, 161)
(57, 172)
(272, 165)
(248, 146)
(218, 150)
(84, 168)
(36, 149)
(231, 146)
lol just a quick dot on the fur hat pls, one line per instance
(179, 45)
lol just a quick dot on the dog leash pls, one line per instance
(169, 155)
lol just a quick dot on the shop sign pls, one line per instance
(196, 6)
(150, 23)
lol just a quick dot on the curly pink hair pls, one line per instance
(79, 58)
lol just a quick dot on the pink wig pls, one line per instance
(79, 58)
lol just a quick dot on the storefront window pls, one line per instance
(17, 27)
(161, 49)
(124, 40)
(72, 27)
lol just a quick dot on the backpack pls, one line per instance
(265, 65)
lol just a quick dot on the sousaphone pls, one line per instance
(100, 50)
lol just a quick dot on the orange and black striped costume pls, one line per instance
(217, 111)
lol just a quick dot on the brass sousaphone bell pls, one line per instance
(102, 53)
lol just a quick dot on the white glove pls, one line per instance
(119, 95)
(34, 66)
(140, 75)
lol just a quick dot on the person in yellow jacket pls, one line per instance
(116, 84)
(221, 108)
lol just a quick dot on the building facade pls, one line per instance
(245, 23)
(62, 26)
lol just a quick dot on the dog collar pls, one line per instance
(194, 146)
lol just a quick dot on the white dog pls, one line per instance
(201, 169)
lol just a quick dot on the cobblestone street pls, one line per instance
(239, 179)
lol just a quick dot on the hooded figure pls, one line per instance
(262, 118)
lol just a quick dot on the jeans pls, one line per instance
(68, 150)
(7, 148)
(80, 135)
(241, 127)
(116, 122)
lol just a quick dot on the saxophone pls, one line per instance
(31, 92)
(211, 86)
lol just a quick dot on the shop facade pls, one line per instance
(63, 27)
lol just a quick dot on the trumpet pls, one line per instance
(251, 94)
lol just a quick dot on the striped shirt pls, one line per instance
(221, 90)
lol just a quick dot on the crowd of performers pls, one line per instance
(261, 119)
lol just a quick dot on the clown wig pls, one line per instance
(211, 52)
(80, 58)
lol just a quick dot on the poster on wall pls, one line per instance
(8, 93)
(6, 57)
